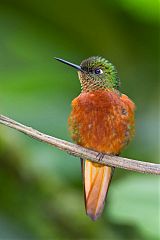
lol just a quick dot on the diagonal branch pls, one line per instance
(78, 151)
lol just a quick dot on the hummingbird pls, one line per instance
(102, 119)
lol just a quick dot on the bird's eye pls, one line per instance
(98, 71)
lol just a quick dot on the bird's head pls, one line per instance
(96, 73)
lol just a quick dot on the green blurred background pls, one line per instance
(41, 194)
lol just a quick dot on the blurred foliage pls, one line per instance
(40, 187)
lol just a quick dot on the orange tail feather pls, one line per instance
(96, 180)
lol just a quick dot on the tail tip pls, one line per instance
(93, 216)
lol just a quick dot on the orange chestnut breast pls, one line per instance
(102, 120)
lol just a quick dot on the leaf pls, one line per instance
(134, 200)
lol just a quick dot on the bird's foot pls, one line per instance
(100, 156)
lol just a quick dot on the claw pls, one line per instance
(100, 156)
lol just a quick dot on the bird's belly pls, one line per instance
(100, 131)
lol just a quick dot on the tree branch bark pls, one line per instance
(78, 151)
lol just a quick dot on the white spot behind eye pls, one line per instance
(101, 71)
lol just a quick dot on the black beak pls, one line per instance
(70, 64)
